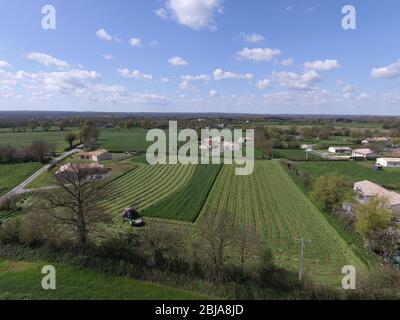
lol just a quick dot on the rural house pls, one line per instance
(376, 140)
(340, 150)
(83, 169)
(367, 190)
(98, 155)
(388, 162)
(363, 154)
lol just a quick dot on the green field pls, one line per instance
(121, 140)
(22, 281)
(13, 174)
(22, 139)
(146, 185)
(187, 203)
(293, 154)
(353, 170)
(270, 201)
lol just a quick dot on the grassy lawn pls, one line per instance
(13, 174)
(354, 170)
(187, 203)
(293, 154)
(21, 139)
(271, 203)
(22, 280)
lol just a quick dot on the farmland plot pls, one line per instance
(272, 204)
(186, 203)
(146, 185)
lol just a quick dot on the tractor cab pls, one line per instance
(132, 216)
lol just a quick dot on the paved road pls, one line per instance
(21, 187)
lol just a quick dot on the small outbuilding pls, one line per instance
(340, 150)
(98, 155)
(388, 162)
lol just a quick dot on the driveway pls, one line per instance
(20, 189)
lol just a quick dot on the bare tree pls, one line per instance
(75, 203)
(248, 243)
(217, 232)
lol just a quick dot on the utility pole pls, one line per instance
(302, 246)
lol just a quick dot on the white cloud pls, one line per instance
(136, 74)
(47, 60)
(82, 84)
(201, 77)
(304, 81)
(4, 64)
(263, 84)
(391, 71)
(135, 42)
(102, 34)
(286, 62)
(195, 14)
(224, 75)
(109, 57)
(186, 85)
(258, 54)
(319, 65)
(213, 93)
(164, 80)
(252, 38)
(178, 61)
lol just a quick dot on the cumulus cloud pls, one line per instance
(263, 84)
(320, 65)
(178, 62)
(4, 64)
(286, 62)
(391, 71)
(304, 81)
(195, 14)
(47, 60)
(201, 77)
(135, 42)
(225, 75)
(252, 38)
(109, 57)
(82, 84)
(136, 74)
(187, 85)
(258, 54)
(102, 34)
(213, 93)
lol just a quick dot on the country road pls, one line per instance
(19, 189)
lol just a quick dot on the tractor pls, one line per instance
(132, 216)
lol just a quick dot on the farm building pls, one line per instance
(376, 140)
(340, 150)
(367, 190)
(82, 169)
(98, 155)
(363, 154)
(388, 162)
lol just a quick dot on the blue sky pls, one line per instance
(253, 56)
